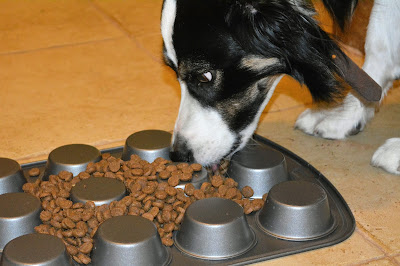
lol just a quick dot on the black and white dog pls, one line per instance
(230, 54)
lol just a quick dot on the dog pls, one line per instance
(229, 55)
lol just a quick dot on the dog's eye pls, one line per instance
(205, 77)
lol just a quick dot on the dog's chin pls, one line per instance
(219, 168)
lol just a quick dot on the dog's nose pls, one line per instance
(180, 151)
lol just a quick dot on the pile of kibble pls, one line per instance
(160, 202)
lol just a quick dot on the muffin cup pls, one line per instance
(129, 240)
(11, 176)
(214, 229)
(19, 214)
(296, 210)
(259, 167)
(148, 144)
(35, 249)
(73, 158)
(100, 190)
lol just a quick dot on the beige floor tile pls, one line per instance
(151, 45)
(29, 25)
(288, 94)
(355, 249)
(94, 93)
(380, 262)
(140, 19)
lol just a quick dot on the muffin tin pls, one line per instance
(303, 211)
(129, 240)
(72, 158)
(35, 249)
(212, 236)
(100, 190)
(259, 167)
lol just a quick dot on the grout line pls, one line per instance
(305, 105)
(60, 46)
(372, 239)
(393, 260)
(367, 236)
(102, 144)
(114, 21)
(363, 262)
(32, 157)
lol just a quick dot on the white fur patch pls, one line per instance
(167, 28)
(337, 122)
(206, 133)
(298, 5)
(382, 63)
(382, 45)
(257, 63)
(387, 156)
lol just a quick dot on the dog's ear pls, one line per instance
(286, 30)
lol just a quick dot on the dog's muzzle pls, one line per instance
(180, 151)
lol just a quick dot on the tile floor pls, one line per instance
(79, 71)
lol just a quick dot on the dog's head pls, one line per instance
(228, 56)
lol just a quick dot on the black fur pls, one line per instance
(278, 29)
(341, 10)
(215, 35)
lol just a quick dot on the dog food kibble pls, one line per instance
(247, 192)
(229, 182)
(34, 172)
(173, 181)
(186, 176)
(217, 180)
(264, 197)
(182, 165)
(167, 241)
(189, 189)
(164, 174)
(196, 167)
(157, 201)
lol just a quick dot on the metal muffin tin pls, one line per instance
(209, 233)
(304, 204)
(72, 158)
(129, 240)
(303, 212)
(100, 190)
(148, 144)
(259, 167)
(19, 214)
(11, 176)
(35, 249)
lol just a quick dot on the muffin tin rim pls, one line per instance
(190, 254)
(332, 228)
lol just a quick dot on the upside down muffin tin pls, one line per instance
(301, 210)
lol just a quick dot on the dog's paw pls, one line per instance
(387, 156)
(335, 123)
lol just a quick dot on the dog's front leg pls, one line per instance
(382, 63)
